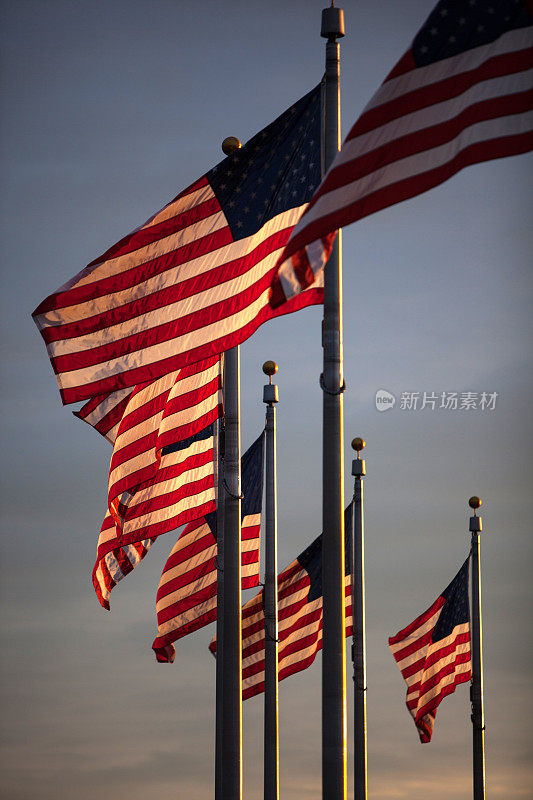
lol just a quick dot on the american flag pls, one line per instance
(299, 617)
(194, 280)
(182, 490)
(162, 467)
(461, 94)
(433, 652)
(187, 593)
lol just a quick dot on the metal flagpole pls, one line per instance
(271, 738)
(476, 690)
(219, 729)
(232, 655)
(333, 653)
(358, 617)
(230, 772)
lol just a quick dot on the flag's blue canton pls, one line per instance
(458, 25)
(185, 443)
(252, 483)
(278, 169)
(311, 558)
(456, 610)
(252, 478)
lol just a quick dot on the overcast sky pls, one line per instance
(109, 109)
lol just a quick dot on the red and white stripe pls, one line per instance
(187, 593)
(422, 126)
(104, 412)
(182, 490)
(299, 625)
(175, 291)
(148, 492)
(169, 410)
(431, 670)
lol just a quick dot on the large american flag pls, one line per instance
(299, 617)
(462, 94)
(194, 280)
(187, 593)
(433, 652)
(162, 467)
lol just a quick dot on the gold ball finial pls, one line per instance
(270, 368)
(230, 144)
(358, 444)
(474, 502)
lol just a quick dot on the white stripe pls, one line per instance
(420, 163)
(103, 589)
(111, 435)
(434, 115)
(289, 282)
(113, 567)
(316, 255)
(182, 203)
(509, 42)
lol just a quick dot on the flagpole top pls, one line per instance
(270, 368)
(475, 521)
(270, 391)
(358, 444)
(358, 464)
(332, 23)
(230, 144)
(474, 503)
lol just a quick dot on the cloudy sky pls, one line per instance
(108, 110)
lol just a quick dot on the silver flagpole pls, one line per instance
(232, 655)
(228, 731)
(332, 382)
(476, 691)
(358, 617)
(271, 737)
(219, 729)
